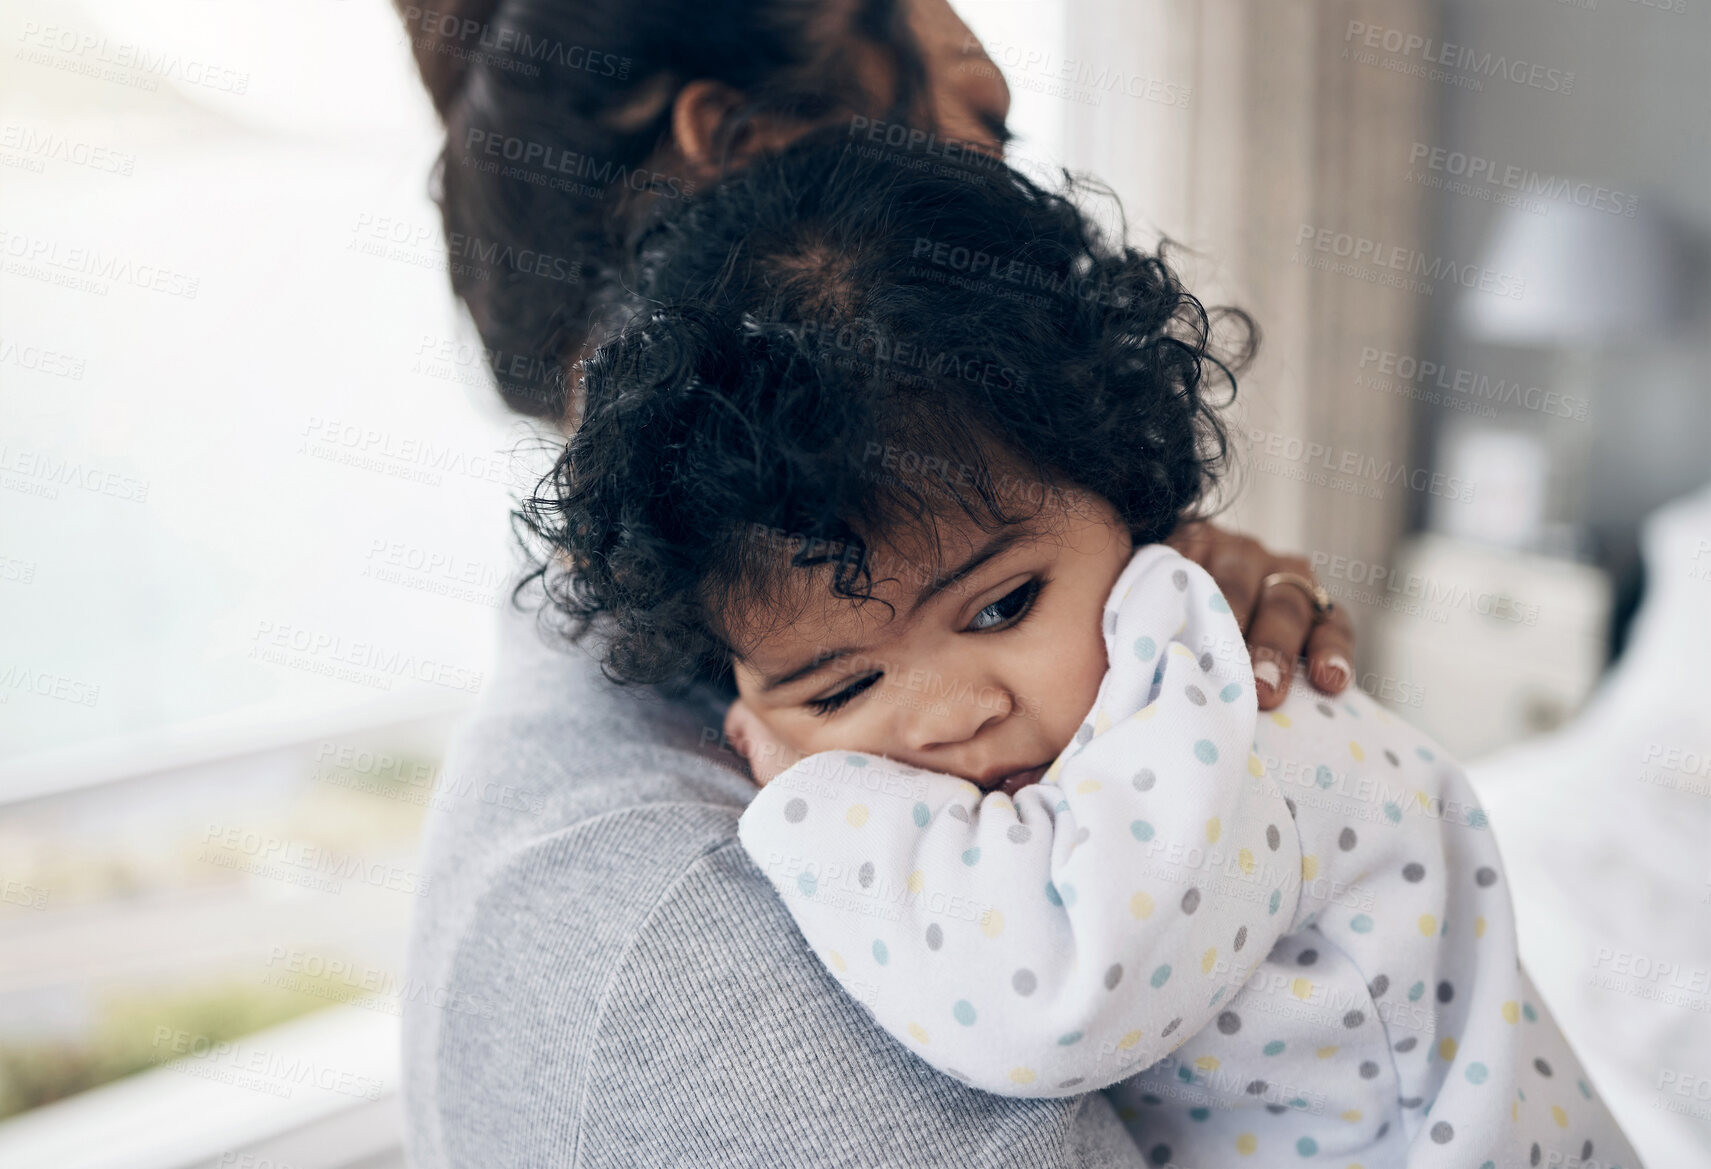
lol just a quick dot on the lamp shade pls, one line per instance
(1588, 277)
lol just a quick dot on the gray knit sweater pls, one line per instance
(599, 975)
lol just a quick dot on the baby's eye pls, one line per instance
(835, 702)
(1008, 609)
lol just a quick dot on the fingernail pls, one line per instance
(1268, 674)
(1337, 670)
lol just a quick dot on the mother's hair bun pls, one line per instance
(558, 142)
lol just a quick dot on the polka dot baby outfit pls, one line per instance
(1275, 939)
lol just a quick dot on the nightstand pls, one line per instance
(1504, 645)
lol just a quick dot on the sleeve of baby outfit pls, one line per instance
(1056, 943)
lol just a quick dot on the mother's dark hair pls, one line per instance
(558, 117)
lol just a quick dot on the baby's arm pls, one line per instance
(1057, 942)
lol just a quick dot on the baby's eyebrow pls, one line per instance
(999, 544)
(811, 666)
(995, 547)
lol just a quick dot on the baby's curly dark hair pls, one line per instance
(843, 338)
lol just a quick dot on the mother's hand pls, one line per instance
(1280, 623)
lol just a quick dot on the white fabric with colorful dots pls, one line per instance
(988, 930)
(1295, 923)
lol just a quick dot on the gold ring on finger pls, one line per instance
(1322, 603)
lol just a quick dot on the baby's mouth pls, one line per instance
(1017, 780)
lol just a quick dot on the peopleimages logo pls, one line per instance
(1396, 258)
(545, 157)
(275, 1072)
(979, 266)
(864, 345)
(93, 52)
(1466, 383)
(1414, 586)
(43, 473)
(421, 244)
(233, 843)
(48, 684)
(88, 268)
(50, 147)
(1339, 460)
(1432, 51)
(1477, 169)
(374, 448)
(1083, 81)
(39, 360)
(367, 662)
(914, 140)
(508, 40)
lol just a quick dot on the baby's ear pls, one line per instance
(736, 727)
(702, 119)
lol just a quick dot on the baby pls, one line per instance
(890, 452)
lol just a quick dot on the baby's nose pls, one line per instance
(955, 716)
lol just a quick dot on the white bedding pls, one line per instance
(1605, 827)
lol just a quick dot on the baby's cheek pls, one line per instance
(852, 730)
(793, 735)
(1068, 683)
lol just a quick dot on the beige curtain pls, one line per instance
(1279, 132)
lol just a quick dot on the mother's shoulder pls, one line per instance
(554, 742)
(562, 781)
